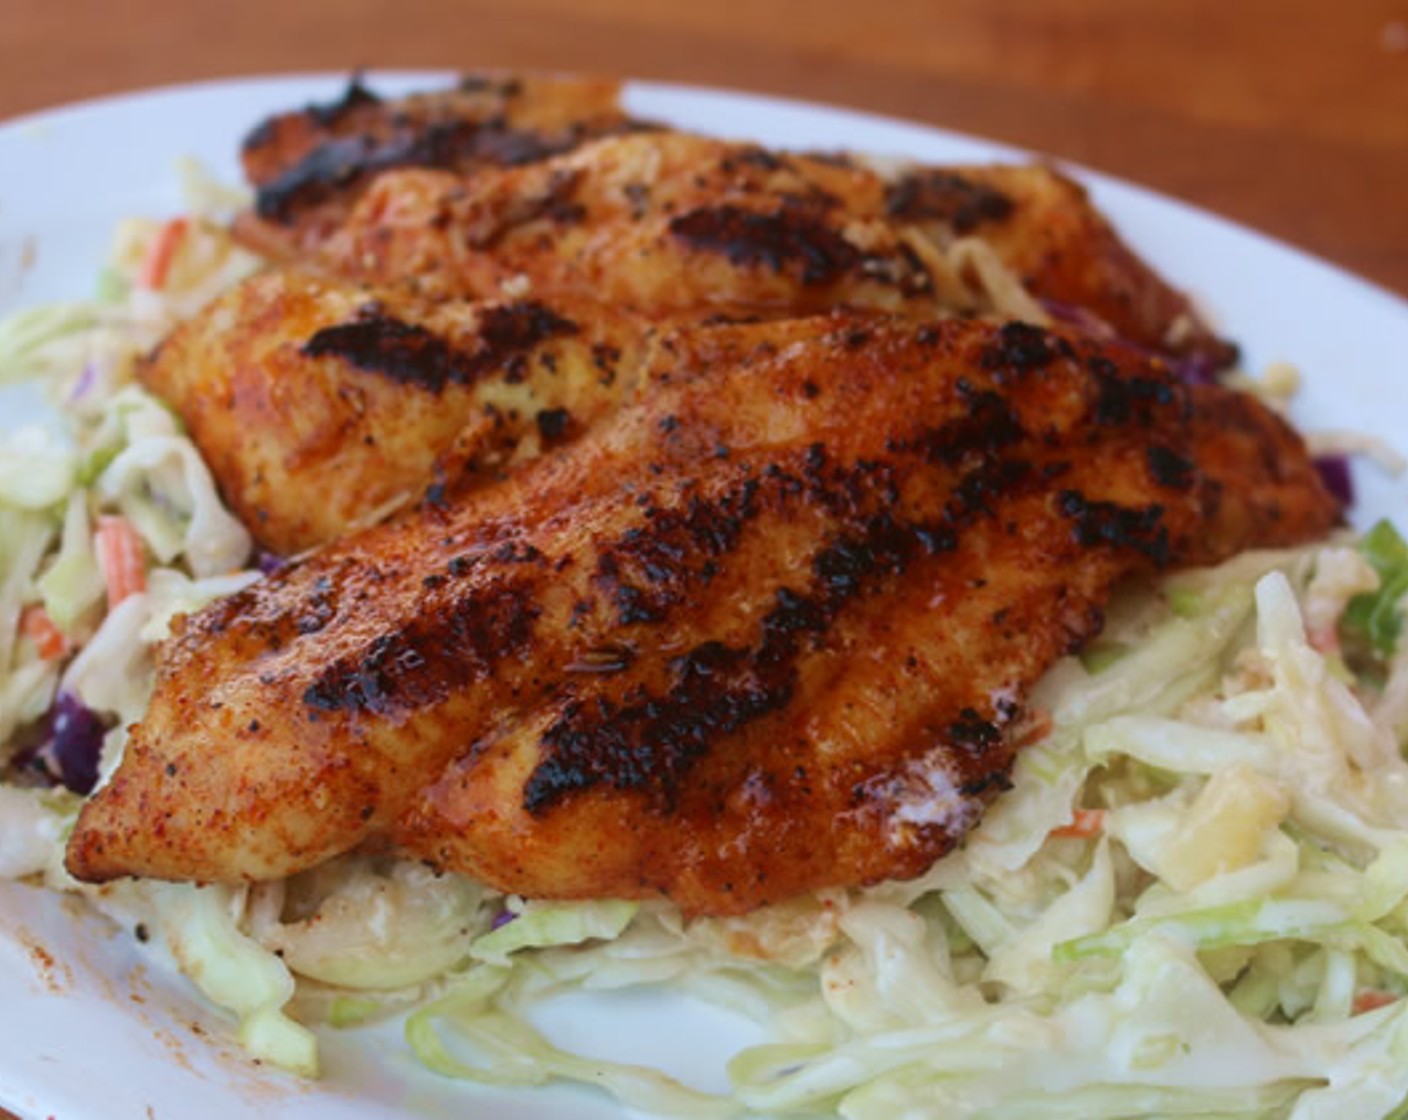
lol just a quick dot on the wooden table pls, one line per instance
(1287, 115)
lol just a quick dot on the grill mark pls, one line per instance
(324, 115)
(409, 354)
(551, 199)
(338, 163)
(673, 551)
(1122, 399)
(845, 492)
(980, 488)
(653, 568)
(973, 734)
(261, 134)
(328, 114)
(258, 611)
(425, 661)
(1110, 524)
(989, 427)
(1022, 348)
(783, 238)
(1168, 468)
(933, 194)
(649, 743)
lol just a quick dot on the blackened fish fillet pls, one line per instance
(768, 629)
(309, 166)
(319, 403)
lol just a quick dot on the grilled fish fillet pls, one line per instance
(659, 223)
(768, 629)
(294, 384)
(309, 166)
(668, 222)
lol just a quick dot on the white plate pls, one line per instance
(87, 1030)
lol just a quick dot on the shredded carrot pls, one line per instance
(1087, 823)
(48, 639)
(1371, 1000)
(122, 556)
(1034, 727)
(157, 262)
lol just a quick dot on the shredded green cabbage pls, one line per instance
(201, 926)
(1378, 615)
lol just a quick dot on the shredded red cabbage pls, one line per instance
(1194, 369)
(1081, 318)
(502, 918)
(85, 382)
(1334, 472)
(77, 743)
(268, 562)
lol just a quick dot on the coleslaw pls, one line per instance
(1194, 900)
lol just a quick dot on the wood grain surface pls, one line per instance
(1288, 115)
